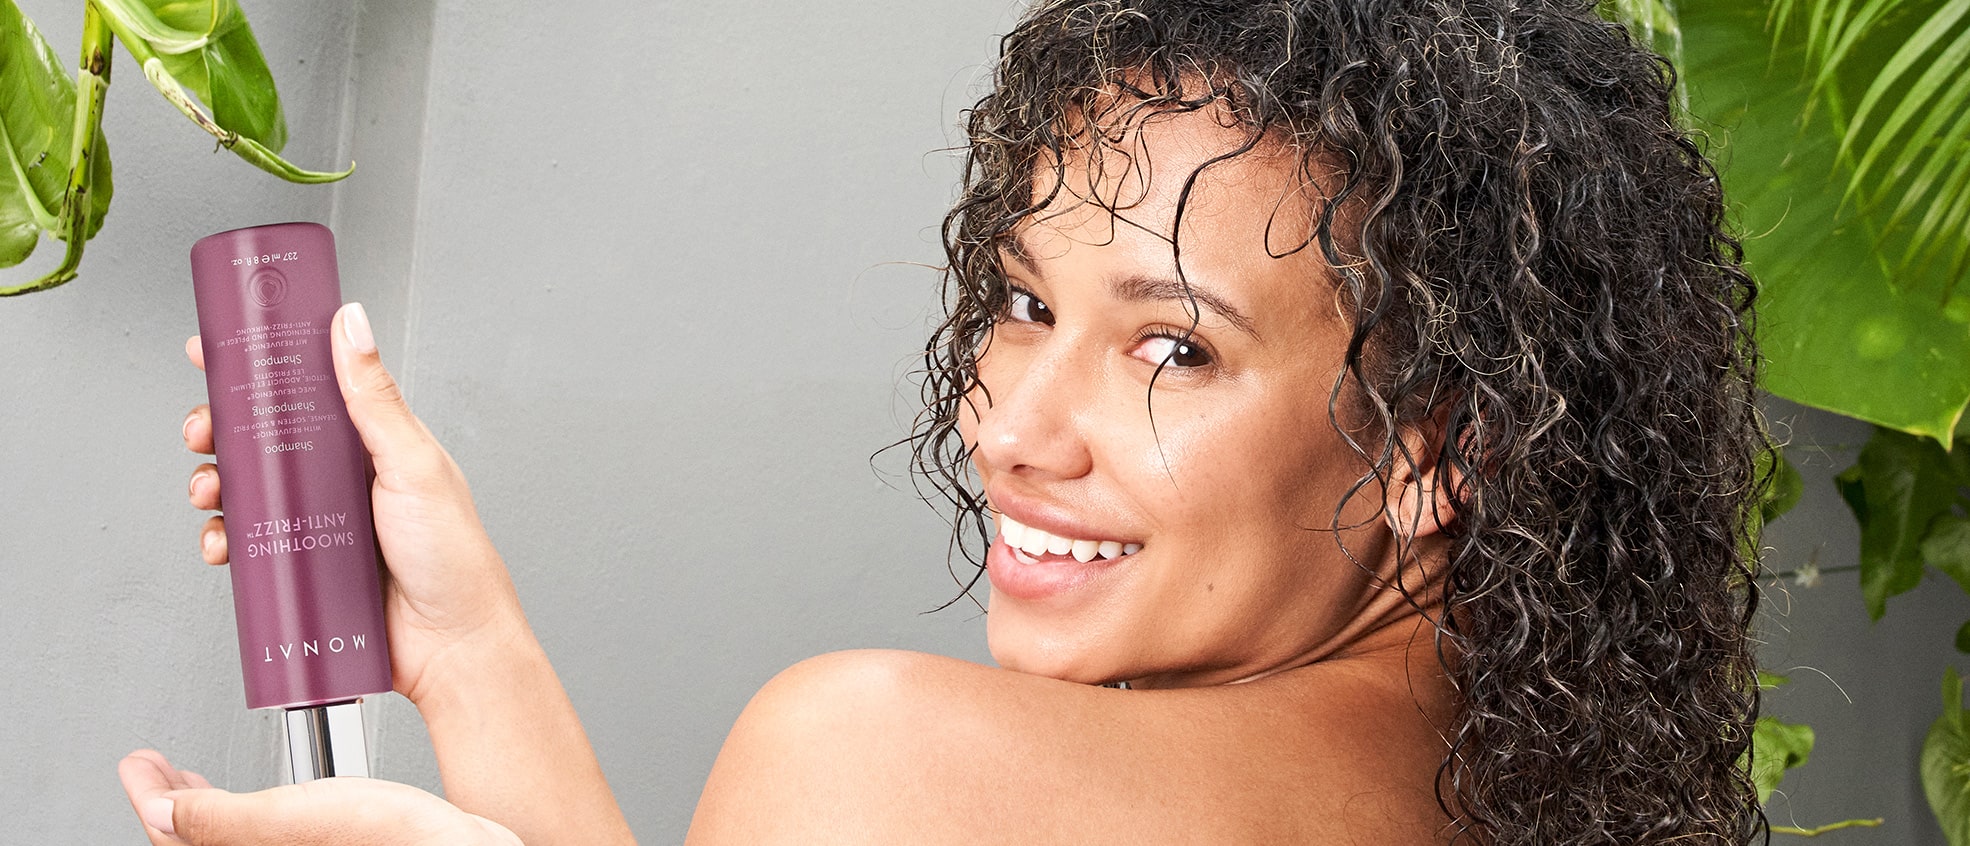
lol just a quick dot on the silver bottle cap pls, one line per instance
(327, 740)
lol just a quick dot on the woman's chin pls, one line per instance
(1026, 646)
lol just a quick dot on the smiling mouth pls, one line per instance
(1028, 544)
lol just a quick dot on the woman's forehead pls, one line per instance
(1246, 220)
(1200, 169)
(1172, 183)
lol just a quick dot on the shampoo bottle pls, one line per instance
(295, 476)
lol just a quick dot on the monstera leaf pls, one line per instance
(37, 129)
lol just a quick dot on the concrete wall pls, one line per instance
(654, 272)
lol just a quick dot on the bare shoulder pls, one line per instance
(884, 746)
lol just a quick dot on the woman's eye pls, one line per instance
(1026, 308)
(1173, 350)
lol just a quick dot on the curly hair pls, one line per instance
(1534, 252)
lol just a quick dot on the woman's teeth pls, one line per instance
(1040, 542)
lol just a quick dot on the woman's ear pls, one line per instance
(1419, 484)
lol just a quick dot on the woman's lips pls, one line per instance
(1054, 564)
(1045, 576)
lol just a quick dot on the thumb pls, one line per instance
(392, 434)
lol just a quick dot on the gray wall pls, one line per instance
(653, 271)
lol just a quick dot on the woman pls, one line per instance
(1365, 385)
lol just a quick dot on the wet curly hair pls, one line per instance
(1534, 254)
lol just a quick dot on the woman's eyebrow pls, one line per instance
(1141, 288)
(1017, 250)
(1151, 288)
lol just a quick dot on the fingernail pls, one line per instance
(355, 322)
(207, 540)
(156, 813)
(192, 489)
(188, 425)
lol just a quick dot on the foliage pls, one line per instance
(1908, 496)
(58, 176)
(1843, 326)
(1921, 77)
(1842, 132)
(1946, 763)
(1779, 746)
(1776, 746)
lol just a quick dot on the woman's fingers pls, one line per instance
(179, 808)
(212, 540)
(396, 440)
(195, 351)
(198, 430)
(204, 489)
(146, 775)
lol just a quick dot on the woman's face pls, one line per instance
(1218, 489)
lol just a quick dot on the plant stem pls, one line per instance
(1815, 832)
(92, 83)
(1789, 574)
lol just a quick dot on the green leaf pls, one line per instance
(1841, 328)
(1963, 638)
(1900, 485)
(37, 128)
(1906, 57)
(1654, 21)
(1852, 492)
(1943, 245)
(209, 48)
(227, 70)
(1932, 165)
(1783, 486)
(1947, 548)
(1915, 101)
(1946, 763)
(203, 52)
(1768, 680)
(1910, 64)
(1777, 746)
(1845, 26)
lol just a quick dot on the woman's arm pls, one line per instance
(510, 746)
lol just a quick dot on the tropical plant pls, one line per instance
(56, 177)
(1842, 131)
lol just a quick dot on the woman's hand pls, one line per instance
(180, 807)
(446, 586)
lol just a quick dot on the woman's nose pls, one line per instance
(1031, 412)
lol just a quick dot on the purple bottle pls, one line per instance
(306, 589)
